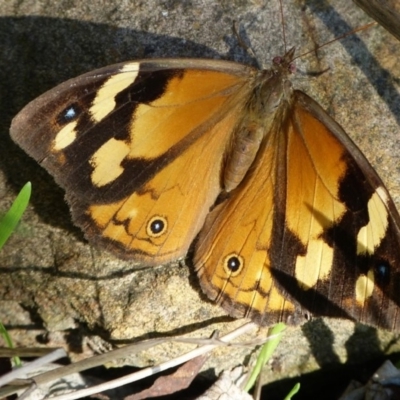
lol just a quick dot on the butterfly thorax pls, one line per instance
(271, 93)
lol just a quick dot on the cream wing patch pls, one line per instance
(370, 236)
(106, 162)
(104, 101)
(65, 137)
(364, 287)
(318, 254)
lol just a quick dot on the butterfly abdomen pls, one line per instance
(245, 146)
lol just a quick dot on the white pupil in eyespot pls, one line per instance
(157, 226)
(233, 264)
(70, 113)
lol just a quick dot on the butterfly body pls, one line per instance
(268, 89)
(288, 214)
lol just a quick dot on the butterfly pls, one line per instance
(284, 214)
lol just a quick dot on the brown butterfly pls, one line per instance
(289, 216)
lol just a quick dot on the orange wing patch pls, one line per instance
(315, 168)
(190, 105)
(128, 223)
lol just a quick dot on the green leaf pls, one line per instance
(266, 352)
(7, 338)
(14, 214)
(295, 390)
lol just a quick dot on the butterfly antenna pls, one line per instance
(283, 26)
(361, 28)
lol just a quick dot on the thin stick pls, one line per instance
(32, 366)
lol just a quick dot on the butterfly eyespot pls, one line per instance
(69, 114)
(157, 226)
(382, 273)
(233, 264)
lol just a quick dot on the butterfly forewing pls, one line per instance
(139, 149)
